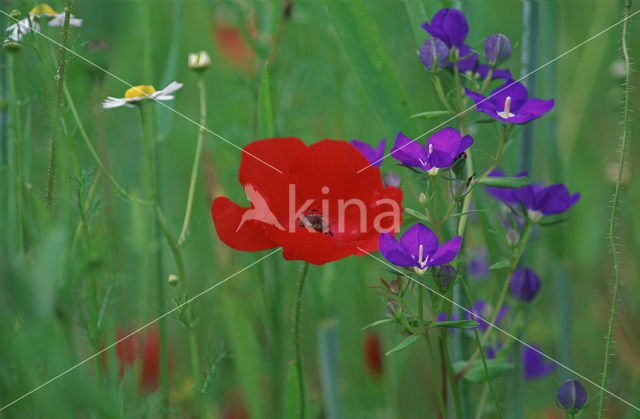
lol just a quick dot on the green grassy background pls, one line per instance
(318, 90)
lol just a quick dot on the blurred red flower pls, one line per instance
(373, 355)
(232, 46)
(143, 347)
(315, 202)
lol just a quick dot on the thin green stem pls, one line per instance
(434, 369)
(614, 209)
(94, 153)
(482, 355)
(503, 293)
(440, 91)
(486, 80)
(296, 340)
(196, 159)
(150, 170)
(19, 137)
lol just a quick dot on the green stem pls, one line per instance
(486, 80)
(482, 356)
(94, 153)
(434, 369)
(450, 374)
(150, 170)
(196, 159)
(296, 340)
(503, 293)
(614, 209)
(18, 132)
(440, 91)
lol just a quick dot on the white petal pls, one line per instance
(113, 102)
(171, 88)
(164, 97)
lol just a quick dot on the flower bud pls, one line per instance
(199, 61)
(173, 279)
(572, 395)
(497, 49)
(394, 286)
(11, 46)
(392, 179)
(434, 54)
(524, 284)
(422, 198)
(15, 14)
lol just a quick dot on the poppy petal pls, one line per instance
(247, 236)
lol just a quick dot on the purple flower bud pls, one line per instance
(434, 54)
(392, 179)
(525, 284)
(572, 395)
(497, 49)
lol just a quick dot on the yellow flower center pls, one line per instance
(139, 91)
(42, 9)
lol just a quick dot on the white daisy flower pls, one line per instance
(55, 19)
(138, 94)
(19, 30)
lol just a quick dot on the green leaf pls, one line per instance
(377, 323)
(408, 341)
(501, 264)
(246, 353)
(505, 182)
(461, 324)
(266, 126)
(431, 114)
(164, 115)
(363, 47)
(415, 214)
(476, 372)
(420, 11)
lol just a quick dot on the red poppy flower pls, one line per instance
(319, 206)
(373, 355)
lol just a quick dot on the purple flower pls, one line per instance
(497, 48)
(571, 395)
(449, 26)
(524, 284)
(391, 179)
(537, 199)
(434, 54)
(439, 152)
(482, 311)
(511, 103)
(534, 364)
(418, 249)
(373, 156)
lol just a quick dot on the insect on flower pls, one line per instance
(138, 94)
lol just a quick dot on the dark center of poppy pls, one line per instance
(314, 220)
